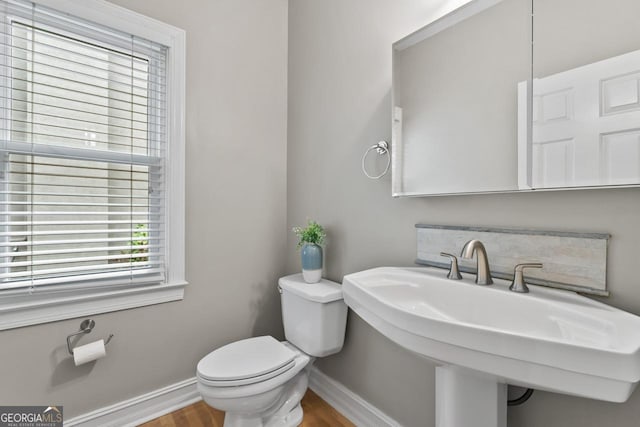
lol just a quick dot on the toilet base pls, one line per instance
(292, 419)
(285, 412)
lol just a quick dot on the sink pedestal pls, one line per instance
(468, 398)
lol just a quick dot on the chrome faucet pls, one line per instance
(483, 277)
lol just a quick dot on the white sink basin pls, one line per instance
(547, 339)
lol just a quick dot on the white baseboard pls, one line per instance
(355, 408)
(140, 409)
(143, 408)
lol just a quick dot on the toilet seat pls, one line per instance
(245, 362)
(301, 361)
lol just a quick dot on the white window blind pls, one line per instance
(82, 152)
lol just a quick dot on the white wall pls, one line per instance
(236, 227)
(339, 104)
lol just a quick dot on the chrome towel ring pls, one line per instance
(381, 148)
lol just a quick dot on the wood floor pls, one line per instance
(317, 413)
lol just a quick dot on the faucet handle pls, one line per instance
(454, 272)
(518, 284)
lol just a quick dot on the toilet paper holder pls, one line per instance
(86, 327)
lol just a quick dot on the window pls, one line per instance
(90, 161)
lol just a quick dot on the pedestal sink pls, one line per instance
(484, 337)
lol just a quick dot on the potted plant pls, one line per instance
(310, 239)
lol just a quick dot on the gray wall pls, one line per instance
(236, 209)
(237, 191)
(339, 85)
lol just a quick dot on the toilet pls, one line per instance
(260, 381)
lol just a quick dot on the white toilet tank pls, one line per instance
(314, 315)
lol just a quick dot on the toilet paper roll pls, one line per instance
(89, 352)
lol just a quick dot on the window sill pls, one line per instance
(23, 310)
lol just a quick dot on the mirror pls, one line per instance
(586, 95)
(477, 109)
(455, 97)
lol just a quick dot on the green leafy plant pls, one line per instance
(313, 233)
(140, 238)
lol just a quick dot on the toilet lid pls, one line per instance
(245, 359)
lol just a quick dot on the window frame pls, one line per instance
(23, 307)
